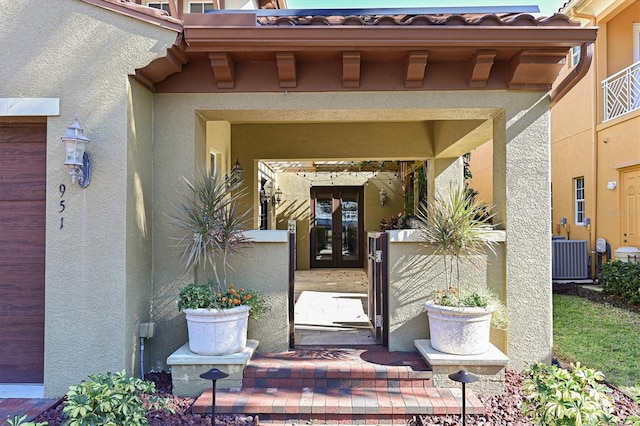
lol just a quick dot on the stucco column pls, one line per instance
(444, 173)
(522, 192)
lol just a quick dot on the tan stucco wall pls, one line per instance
(481, 167)
(621, 150)
(265, 267)
(619, 39)
(573, 156)
(415, 273)
(83, 60)
(523, 202)
(138, 216)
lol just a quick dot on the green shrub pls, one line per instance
(622, 279)
(555, 396)
(114, 399)
(18, 420)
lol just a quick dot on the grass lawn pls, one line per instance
(599, 336)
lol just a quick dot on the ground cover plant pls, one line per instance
(557, 396)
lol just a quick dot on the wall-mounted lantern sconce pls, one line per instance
(76, 158)
(278, 196)
(586, 222)
(383, 197)
(266, 193)
(563, 221)
(236, 172)
(611, 185)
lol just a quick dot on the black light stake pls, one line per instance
(464, 377)
(213, 375)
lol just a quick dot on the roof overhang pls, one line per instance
(246, 51)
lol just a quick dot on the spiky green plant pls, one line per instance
(455, 227)
(213, 221)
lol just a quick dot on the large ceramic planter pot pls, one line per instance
(459, 330)
(217, 331)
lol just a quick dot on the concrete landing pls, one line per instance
(489, 367)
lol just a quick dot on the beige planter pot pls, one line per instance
(217, 331)
(459, 330)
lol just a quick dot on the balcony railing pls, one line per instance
(622, 92)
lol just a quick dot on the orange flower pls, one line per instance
(233, 291)
(218, 294)
(232, 285)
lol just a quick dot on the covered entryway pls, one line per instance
(336, 227)
(22, 250)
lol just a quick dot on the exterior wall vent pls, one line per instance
(570, 259)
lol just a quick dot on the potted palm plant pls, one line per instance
(458, 228)
(212, 223)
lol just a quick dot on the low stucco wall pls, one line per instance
(415, 273)
(264, 266)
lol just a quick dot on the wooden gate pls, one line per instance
(378, 285)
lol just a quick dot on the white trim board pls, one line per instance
(21, 390)
(15, 107)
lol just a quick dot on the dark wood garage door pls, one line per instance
(22, 251)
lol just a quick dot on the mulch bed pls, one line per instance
(501, 410)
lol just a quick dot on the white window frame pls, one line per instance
(579, 197)
(162, 5)
(202, 4)
(636, 42)
(575, 55)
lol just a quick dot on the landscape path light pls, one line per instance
(464, 377)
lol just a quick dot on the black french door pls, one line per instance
(337, 227)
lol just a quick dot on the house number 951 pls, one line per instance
(62, 188)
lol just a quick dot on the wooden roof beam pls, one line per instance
(223, 69)
(416, 66)
(536, 69)
(480, 68)
(286, 62)
(351, 69)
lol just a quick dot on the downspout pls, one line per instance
(575, 75)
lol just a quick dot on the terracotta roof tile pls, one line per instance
(525, 20)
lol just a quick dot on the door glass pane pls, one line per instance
(350, 237)
(323, 226)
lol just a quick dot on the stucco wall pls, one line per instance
(620, 150)
(138, 216)
(526, 205)
(415, 273)
(265, 267)
(573, 155)
(619, 40)
(82, 55)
